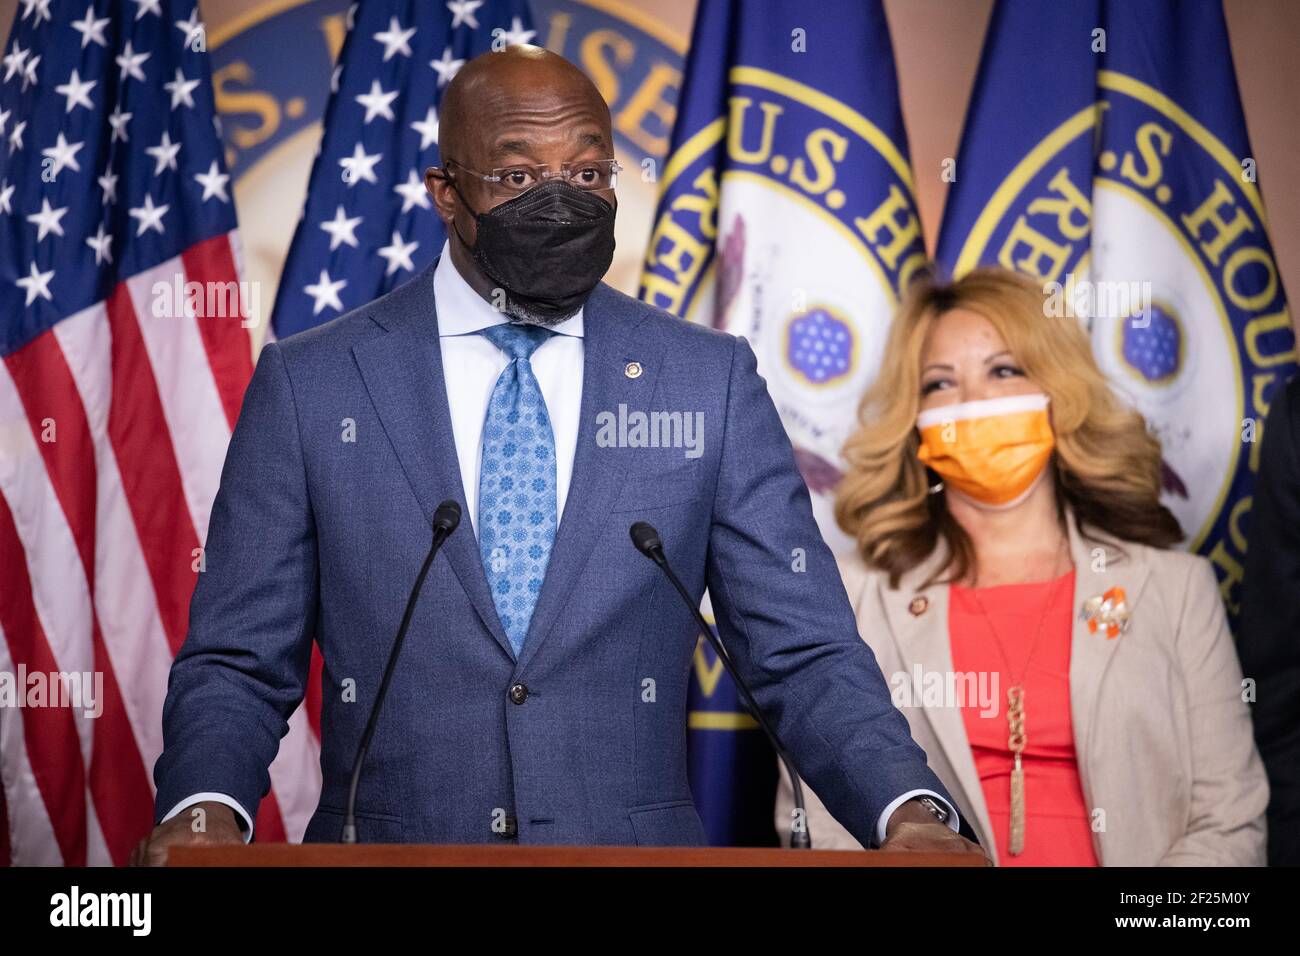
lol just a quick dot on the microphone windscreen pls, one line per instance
(645, 537)
(447, 516)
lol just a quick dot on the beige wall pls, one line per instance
(937, 45)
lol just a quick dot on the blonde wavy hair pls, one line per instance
(1107, 463)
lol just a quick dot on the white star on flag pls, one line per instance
(165, 153)
(180, 89)
(213, 183)
(91, 30)
(64, 155)
(41, 9)
(150, 216)
(517, 34)
(427, 128)
(360, 166)
(36, 284)
(377, 102)
(193, 30)
(47, 220)
(395, 39)
(462, 11)
(101, 242)
(398, 255)
(412, 192)
(447, 67)
(341, 229)
(76, 92)
(326, 293)
(130, 62)
(14, 61)
(29, 72)
(118, 120)
(108, 183)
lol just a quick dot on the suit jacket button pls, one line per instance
(518, 693)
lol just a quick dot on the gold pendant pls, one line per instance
(1017, 809)
(1016, 742)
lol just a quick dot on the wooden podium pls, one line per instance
(409, 855)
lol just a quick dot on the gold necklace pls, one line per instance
(1016, 735)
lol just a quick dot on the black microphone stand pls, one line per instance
(646, 539)
(445, 520)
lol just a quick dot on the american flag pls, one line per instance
(369, 225)
(117, 400)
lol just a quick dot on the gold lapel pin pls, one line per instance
(632, 370)
(918, 605)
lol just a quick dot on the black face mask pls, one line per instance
(546, 249)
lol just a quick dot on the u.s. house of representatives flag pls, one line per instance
(787, 212)
(1105, 152)
(368, 224)
(786, 215)
(125, 354)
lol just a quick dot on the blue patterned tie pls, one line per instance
(516, 488)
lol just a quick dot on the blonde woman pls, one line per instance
(1070, 676)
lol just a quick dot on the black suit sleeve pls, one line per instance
(1269, 633)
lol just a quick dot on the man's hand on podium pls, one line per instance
(215, 826)
(913, 828)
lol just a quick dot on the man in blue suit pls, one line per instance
(541, 693)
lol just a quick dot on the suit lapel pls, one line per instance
(1100, 563)
(402, 371)
(608, 346)
(923, 645)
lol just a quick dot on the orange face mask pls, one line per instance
(992, 451)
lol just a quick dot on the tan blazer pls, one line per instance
(1166, 756)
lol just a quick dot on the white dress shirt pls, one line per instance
(471, 365)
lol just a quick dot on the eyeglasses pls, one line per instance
(587, 174)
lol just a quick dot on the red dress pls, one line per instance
(1057, 824)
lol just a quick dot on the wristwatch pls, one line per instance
(935, 807)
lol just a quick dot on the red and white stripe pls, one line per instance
(99, 530)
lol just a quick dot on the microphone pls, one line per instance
(646, 539)
(445, 519)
